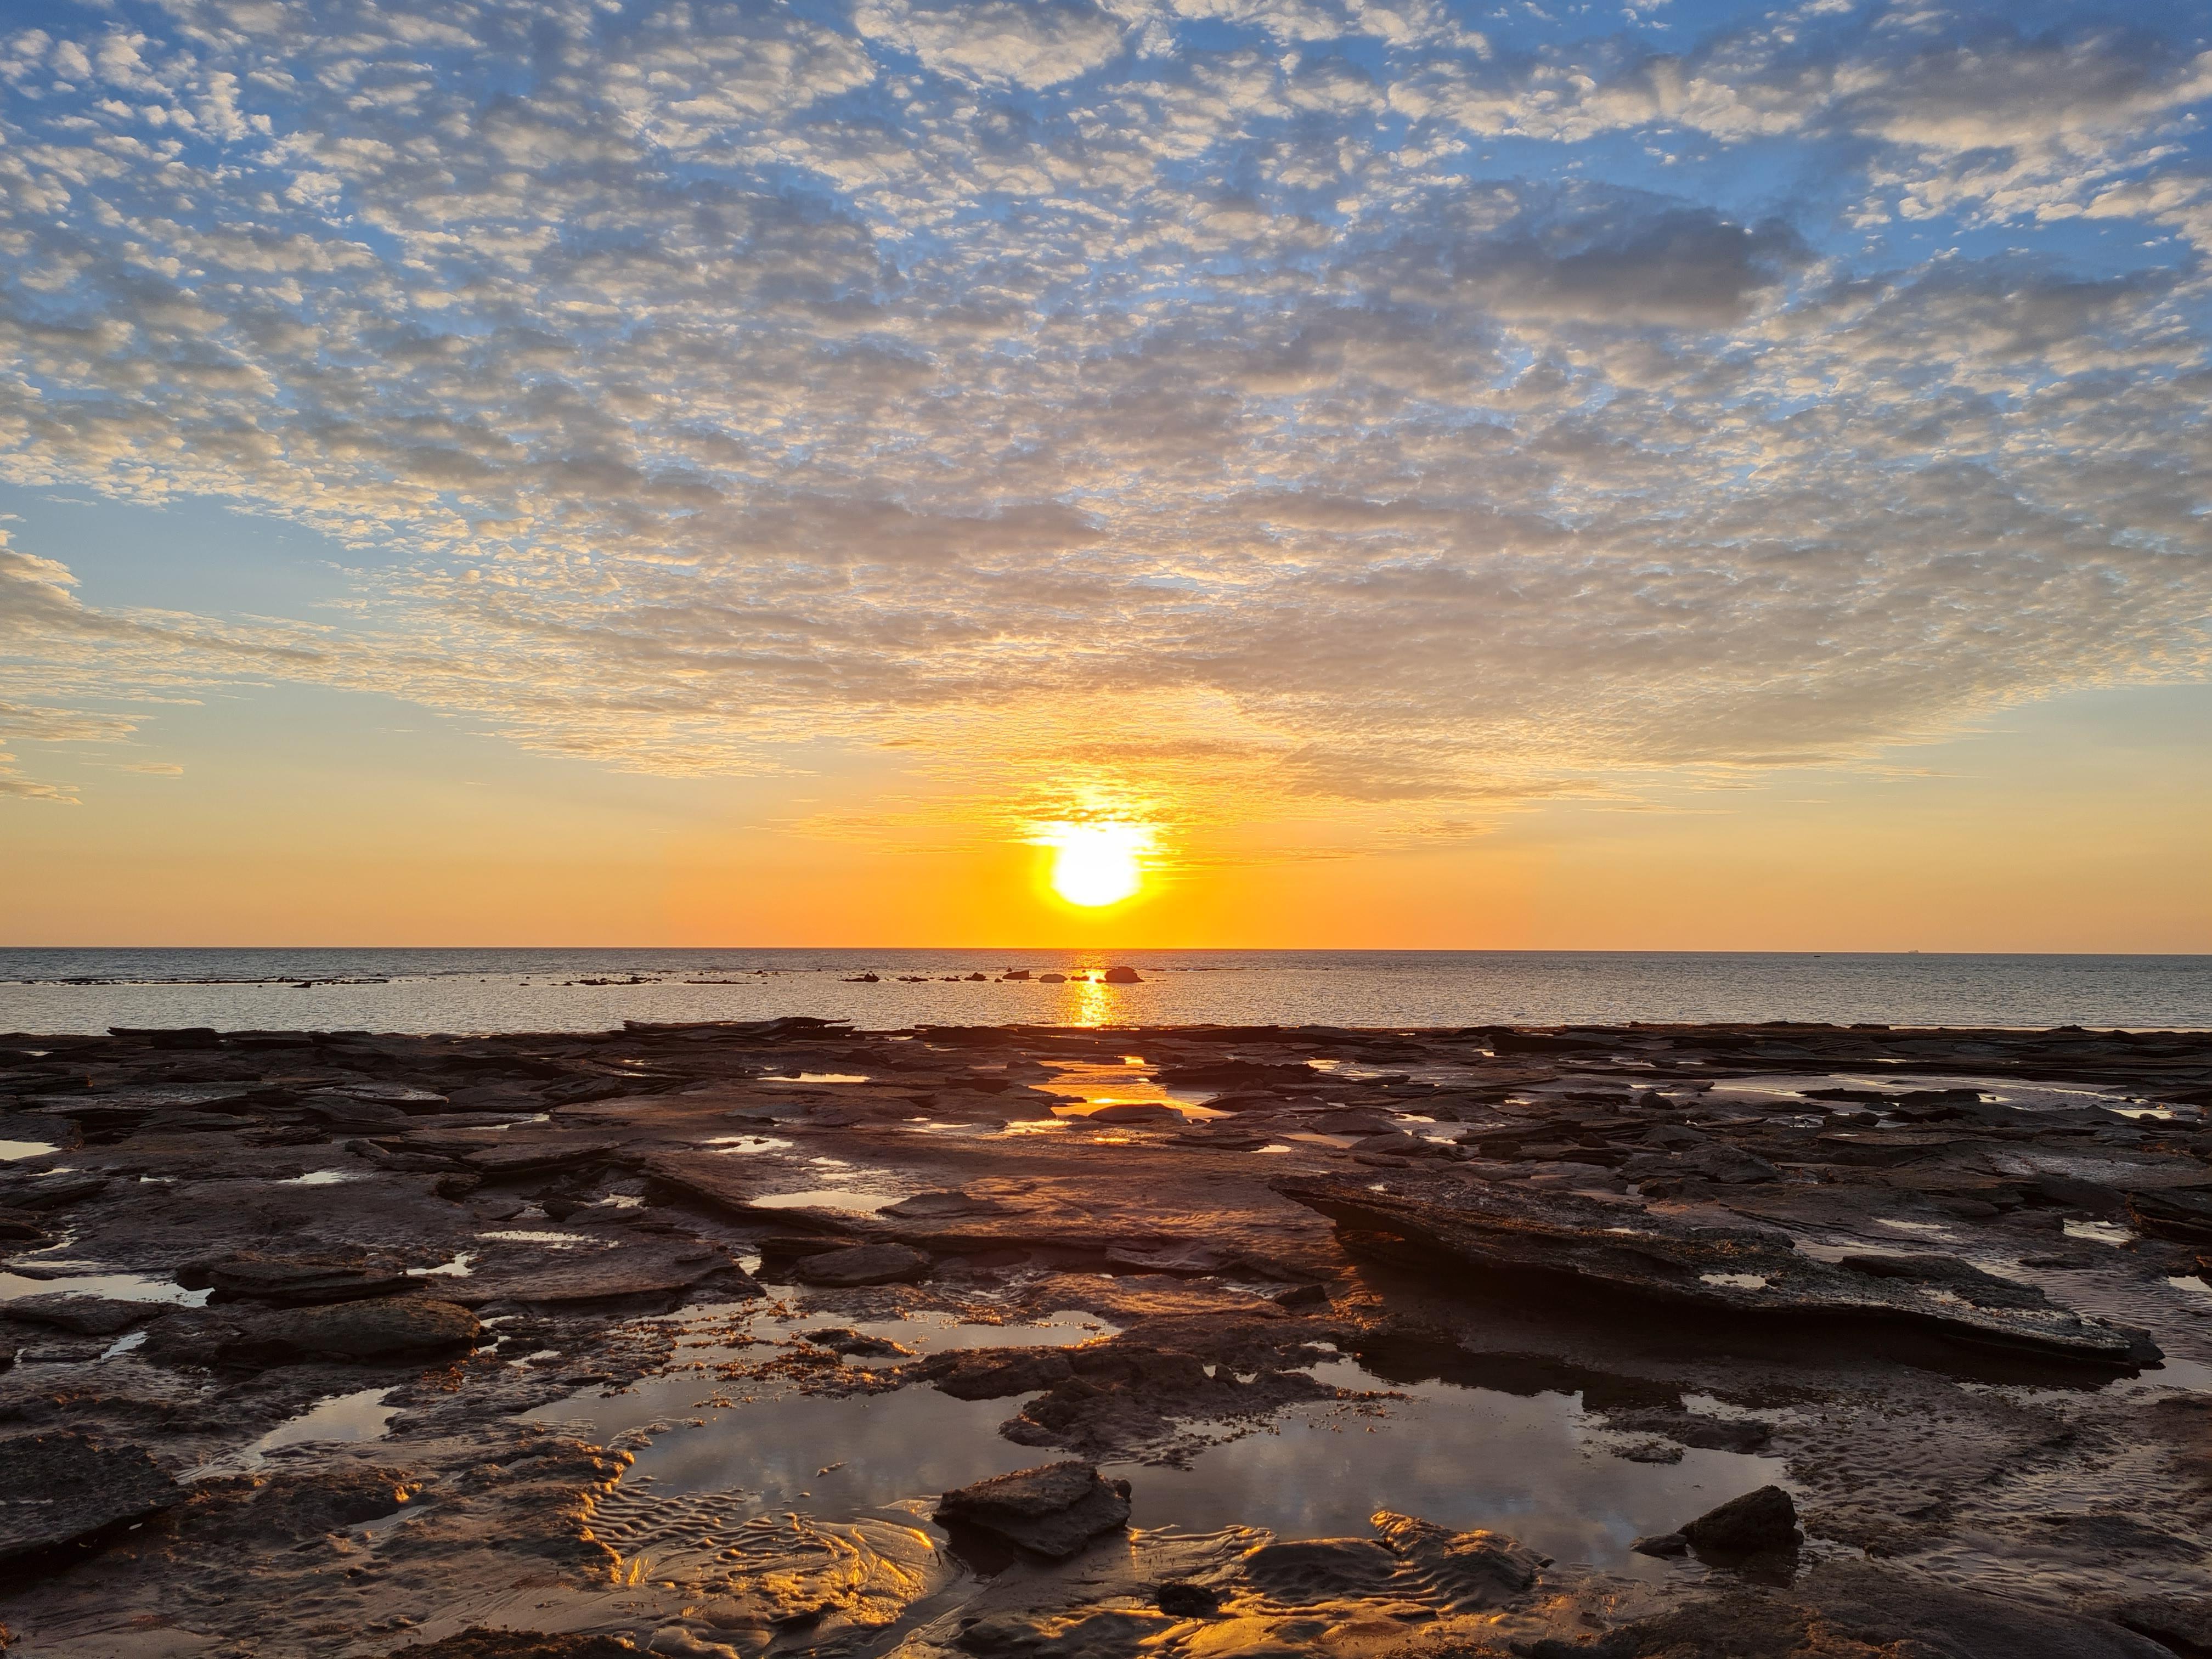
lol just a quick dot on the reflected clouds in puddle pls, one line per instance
(1530, 1464)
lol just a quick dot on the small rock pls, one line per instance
(1661, 1544)
(1757, 1522)
(1184, 1599)
(862, 1264)
(1303, 1296)
(1052, 1510)
(854, 1344)
(1134, 1111)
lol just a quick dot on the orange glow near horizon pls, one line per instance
(1097, 864)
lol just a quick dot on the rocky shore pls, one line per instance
(332, 1343)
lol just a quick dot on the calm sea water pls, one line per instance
(543, 990)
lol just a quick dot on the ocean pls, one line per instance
(55, 990)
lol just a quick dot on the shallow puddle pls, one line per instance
(345, 1417)
(1088, 1088)
(2103, 1232)
(726, 1143)
(118, 1287)
(1530, 1465)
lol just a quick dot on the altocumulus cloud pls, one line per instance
(1387, 405)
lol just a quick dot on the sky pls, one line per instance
(1681, 475)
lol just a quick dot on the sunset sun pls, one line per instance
(1095, 865)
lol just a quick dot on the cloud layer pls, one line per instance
(1361, 408)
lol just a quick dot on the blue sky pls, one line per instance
(1411, 417)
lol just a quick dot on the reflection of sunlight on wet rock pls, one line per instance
(776, 1573)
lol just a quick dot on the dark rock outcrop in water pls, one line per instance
(1739, 1269)
(1758, 1522)
(1052, 1510)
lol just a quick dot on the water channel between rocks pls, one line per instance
(1532, 1466)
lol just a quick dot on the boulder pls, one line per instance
(1120, 976)
(861, 1264)
(58, 1487)
(1754, 1524)
(1052, 1510)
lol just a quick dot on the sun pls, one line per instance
(1095, 865)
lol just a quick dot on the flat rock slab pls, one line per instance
(2183, 1215)
(1535, 1237)
(862, 1264)
(373, 1329)
(1052, 1510)
(931, 1207)
(610, 1273)
(86, 1316)
(538, 1157)
(55, 1488)
(478, 1643)
(382, 1328)
(248, 1275)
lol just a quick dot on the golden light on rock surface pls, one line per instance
(1096, 865)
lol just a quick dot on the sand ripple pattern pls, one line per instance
(769, 1574)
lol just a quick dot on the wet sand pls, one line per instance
(672, 1339)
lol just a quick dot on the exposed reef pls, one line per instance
(1036, 1343)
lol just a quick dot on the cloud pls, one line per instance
(1030, 43)
(720, 382)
